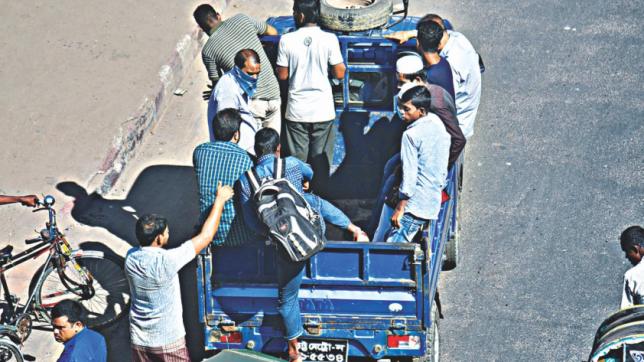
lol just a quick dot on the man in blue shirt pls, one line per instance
(222, 160)
(289, 273)
(438, 69)
(298, 174)
(81, 343)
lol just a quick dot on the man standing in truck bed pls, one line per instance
(304, 58)
(227, 37)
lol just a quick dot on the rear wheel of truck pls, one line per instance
(354, 15)
(450, 259)
(433, 341)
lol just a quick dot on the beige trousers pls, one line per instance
(267, 113)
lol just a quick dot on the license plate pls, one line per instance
(327, 350)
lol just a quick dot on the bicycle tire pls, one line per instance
(110, 301)
(9, 351)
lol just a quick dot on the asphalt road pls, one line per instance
(553, 172)
(553, 175)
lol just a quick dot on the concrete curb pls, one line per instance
(133, 130)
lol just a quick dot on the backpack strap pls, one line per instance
(278, 168)
(253, 180)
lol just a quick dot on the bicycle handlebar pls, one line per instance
(32, 241)
(47, 203)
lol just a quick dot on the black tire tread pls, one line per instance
(15, 350)
(369, 17)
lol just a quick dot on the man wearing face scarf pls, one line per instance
(234, 90)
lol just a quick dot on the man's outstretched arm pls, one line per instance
(26, 200)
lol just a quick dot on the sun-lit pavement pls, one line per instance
(553, 172)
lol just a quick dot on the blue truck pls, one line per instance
(359, 301)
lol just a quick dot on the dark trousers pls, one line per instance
(312, 143)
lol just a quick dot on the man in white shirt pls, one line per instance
(303, 58)
(632, 243)
(156, 324)
(464, 60)
(235, 90)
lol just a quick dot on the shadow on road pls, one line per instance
(162, 189)
(167, 190)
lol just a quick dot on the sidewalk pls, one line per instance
(159, 178)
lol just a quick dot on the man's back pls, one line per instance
(633, 292)
(464, 61)
(156, 312)
(441, 75)
(86, 346)
(443, 106)
(225, 162)
(295, 172)
(234, 34)
(307, 53)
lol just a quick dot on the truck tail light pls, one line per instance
(234, 337)
(403, 342)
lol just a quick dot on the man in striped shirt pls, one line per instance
(227, 37)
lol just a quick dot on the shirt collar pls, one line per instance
(419, 121)
(227, 145)
(264, 159)
(448, 44)
(74, 338)
(213, 30)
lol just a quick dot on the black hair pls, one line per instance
(429, 35)
(632, 236)
(71, 309)
(266, 141)
(226, 123)
(419, 74)
(243, 55)
(202, 13)
(309, 8)
(433, 17)
(419, 97)
(148, 227)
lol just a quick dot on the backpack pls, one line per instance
(291, 222)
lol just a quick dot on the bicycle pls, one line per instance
(93, 278)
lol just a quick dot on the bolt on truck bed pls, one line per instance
(373, 300)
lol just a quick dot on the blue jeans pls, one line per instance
(409, 227)
(328, 211)
(289, 279)
(384, 225)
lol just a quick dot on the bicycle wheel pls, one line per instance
(106, 297)
(9, 351)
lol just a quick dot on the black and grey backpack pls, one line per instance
(289, 218)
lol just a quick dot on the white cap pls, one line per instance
(409, 64)
(405, 87)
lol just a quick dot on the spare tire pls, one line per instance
(354, 15)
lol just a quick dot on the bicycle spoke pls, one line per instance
(105, 295)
